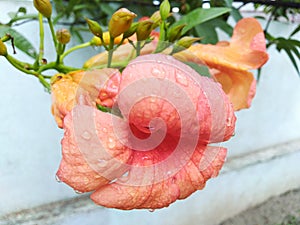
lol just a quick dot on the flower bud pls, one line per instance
(106, 38)
(164, 9)
(144, 29)
(120, 22)
(131, 30)
(44, 7)
(3, 49)
(175, 32)
(94, 27)
(156, 18)
(63, 36)
(187, 42)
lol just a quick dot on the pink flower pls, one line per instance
(158, 151)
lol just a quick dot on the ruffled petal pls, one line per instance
(92, 152)
(204, 164)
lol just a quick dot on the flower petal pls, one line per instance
(247, 49)
(238, 85)
(178, 95)
(190, 178)
(83, 87)
(92, 152)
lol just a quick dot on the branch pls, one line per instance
(273, 3)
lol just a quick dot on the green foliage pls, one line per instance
(290, 45)
(19, 40)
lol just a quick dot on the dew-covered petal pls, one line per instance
(92, 152)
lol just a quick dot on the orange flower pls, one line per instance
(83, 87)
(158, 151)
(231, 61)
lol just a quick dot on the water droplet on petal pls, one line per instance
(78, 192)
(86, 135)
(104, 129)
(57, 179)
(159, 73)
(151, 210)
(111, 143)
(124, 178)
(102, 163)
(181, 79)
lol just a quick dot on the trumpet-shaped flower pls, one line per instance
(158, 150)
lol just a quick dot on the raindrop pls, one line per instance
(102, 163)
(124, 178)
(57, 179)
(159, 73)
(228, 122)
(86, 135)
(111, 143)
(104, 129)
(151, 210)
(78, 192)
(181, 79)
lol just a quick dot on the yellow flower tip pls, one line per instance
(63, 36)
(3, 49)
(96, 41)
(120, 22)
(44, 7)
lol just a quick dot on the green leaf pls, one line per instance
(19, 40)
(199, 16)
(107, 8)
(202, 70)
(207, 30)
(295, 31)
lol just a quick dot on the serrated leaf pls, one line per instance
(199, 16)
(19, 40)
(202, 70)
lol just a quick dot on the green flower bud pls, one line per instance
(174, 33)
(144, 29)
(94, 27)
(164, 9)
(187, 42)
(3, 49)
(63, 36)
(156, 18)
(130, 31)
(44, 7)
(120, 22)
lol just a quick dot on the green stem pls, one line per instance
(20, 66)
(59, 67)
(110, 51)
(28, 16)
(84, 45)
(52, 32)
(138, 48)
(42, 35)
(270, 18)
